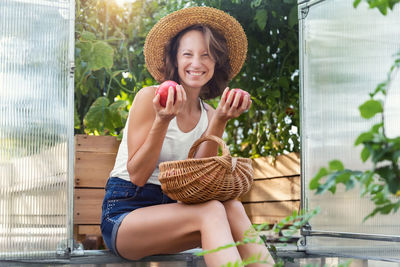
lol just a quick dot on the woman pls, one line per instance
(138, 219)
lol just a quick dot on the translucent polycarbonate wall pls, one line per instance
(36, 126)
(345, 53)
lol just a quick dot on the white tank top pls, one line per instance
(176, 146)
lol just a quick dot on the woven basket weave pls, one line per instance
(198, 180)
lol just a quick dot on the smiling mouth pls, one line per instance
(195, 73)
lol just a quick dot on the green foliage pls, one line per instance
(381, 5)
(370, 108)
(271, 125)
(110, 64)
(382, 182)
(102, 115)
(109, 60)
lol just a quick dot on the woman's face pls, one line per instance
(195, 64)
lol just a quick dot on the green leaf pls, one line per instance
(343, 177)
(387, 173)
(86, 50)
(336, 165)
(293, 16)
(364, 137)
(88, 36)
(381, 154)
(332, 189)
(372, 214)
(255, 3)
(329, 185)
(394, 185)
(276, 94)
(350, 184)
(294, 213)
(365, 153)
(376, 127)
(252, 111)
(333, 180)
(386, 209)
(102, 56)
(380, 198)
(314, 183)
(383, 8)
(98, 117)
(283, 82)
(117, 113)
(356, 3)
(77, 121)
(370, 108)
(380, 88)
(396, 156)
(261, 18)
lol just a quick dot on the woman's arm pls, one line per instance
(227, 109)
(148, 124)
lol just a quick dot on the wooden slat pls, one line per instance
(93, 169)
(283, 188)
(270, 212)
(89, 230)
(284, 165)
(87, 206)
(90, 143)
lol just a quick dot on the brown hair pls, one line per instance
(219, 52)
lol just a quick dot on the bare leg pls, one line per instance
(171, 228)
(239, 223)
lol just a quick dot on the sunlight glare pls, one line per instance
(123, 2)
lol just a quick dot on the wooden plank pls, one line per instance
(284, 165)
(282, 188)
(270, 212)
(89, 230)
(87, 205)
(91, 143)
(93, 169)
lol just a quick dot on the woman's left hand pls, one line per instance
(230, 107)
(227, 109)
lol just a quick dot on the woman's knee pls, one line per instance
(234, 208)
(213, 210)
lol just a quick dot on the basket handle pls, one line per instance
(221, 143)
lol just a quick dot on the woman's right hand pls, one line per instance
(171, 109)
(148, 125)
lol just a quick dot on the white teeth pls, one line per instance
(195, 73)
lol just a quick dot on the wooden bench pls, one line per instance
(274, 195)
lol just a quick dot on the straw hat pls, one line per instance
(172, 24)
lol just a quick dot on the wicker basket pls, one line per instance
(198, 180)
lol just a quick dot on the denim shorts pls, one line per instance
(120, 199)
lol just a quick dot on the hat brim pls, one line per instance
(169, 26)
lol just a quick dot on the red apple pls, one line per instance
(239, 91)
(162, 90)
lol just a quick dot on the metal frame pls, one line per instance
(71, 152)
(306, 231)
(302, 8)
(66, 246)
